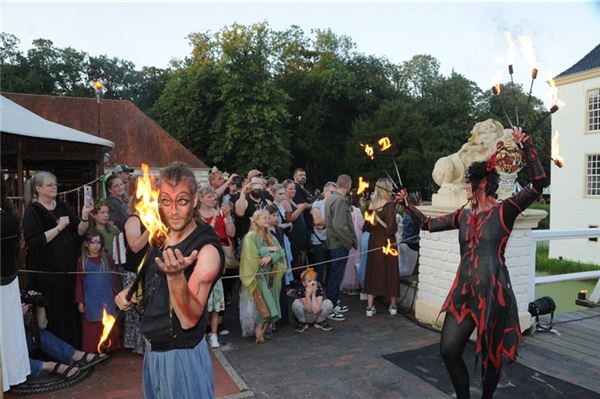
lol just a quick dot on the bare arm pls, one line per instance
(189, 297)
(135, 238)
(318, 220)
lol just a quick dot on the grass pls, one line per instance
(556, 266)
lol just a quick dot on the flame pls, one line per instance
(384, 143)
(108, 321)
(98, 85)
(556, 158)
(362, 185)
(498, 75)
(510, 56)
(527, 50)
(370, 217)
(368, 150)
(553, 91)
(389, 250)
(147, 206)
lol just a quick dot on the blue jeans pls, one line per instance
(336, 274)
(53, 346)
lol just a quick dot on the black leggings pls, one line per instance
(454, 339)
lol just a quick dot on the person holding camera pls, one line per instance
(50, 228)
(68, 360)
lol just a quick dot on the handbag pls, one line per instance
(261, 305)
(231, 262)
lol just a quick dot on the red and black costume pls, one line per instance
(482, 290)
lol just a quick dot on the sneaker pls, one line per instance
(213, 340)
(222, 330)
(393, 310)
(323, 326)
(371, 311)
(363, 296)
(341, 309)
(336, 316)
(300, 327)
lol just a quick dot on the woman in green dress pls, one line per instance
(262, 265)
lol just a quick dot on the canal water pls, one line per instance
(564, 293)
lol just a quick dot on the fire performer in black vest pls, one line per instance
(481, 295)
(178, 277)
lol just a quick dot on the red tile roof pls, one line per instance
(137, 137)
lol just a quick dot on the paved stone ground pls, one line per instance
(346, 362)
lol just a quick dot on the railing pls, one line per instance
(563, 234)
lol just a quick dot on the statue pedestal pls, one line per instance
(440, 256)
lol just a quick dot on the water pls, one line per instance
(564, 293)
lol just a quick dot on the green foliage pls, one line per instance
(47, 69)
(556, 266)
(249, 96)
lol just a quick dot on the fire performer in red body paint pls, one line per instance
(481, 295)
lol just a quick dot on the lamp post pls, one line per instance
(99, 89)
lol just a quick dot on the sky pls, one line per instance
(467, 37)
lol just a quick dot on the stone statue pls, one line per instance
(449, 172)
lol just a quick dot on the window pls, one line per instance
(592, 175)
(593, 113)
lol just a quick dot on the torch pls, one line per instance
(147, 209)
(534, 73)
(498, 93)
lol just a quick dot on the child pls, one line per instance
(310, 305)
(95, 291)
(100, 222)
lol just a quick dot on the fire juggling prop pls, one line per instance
(556, 158)
(528, 53)
(108, 321)
(370, 217)
(389, 250)
(147, 208)
(362, 186)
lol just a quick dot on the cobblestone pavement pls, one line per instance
(346, 362)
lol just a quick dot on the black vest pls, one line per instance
(160, 324)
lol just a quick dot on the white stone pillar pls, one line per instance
(440, 255)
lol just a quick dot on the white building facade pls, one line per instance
(575, 200)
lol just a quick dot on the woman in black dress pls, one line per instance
(481, 295)
(50, 228)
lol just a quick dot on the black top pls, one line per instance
(10, 235)
(303, 196)
(134, 258)
(58, 255)
(242, 224)
(160, 324)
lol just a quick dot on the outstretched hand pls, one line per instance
(401, 195)
(520, 136)
(173, 262)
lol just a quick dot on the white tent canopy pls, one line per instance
(18, 120)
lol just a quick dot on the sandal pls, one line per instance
(84, 363)
(65, 373)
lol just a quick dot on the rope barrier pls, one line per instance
(76, 189)
(226, 277)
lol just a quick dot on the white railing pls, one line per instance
(562, 234)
